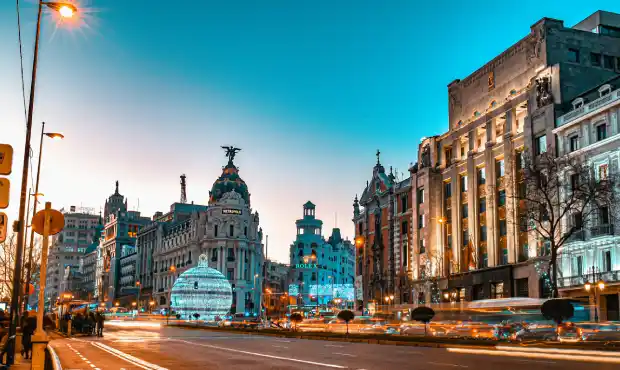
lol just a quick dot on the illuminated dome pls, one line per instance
(227, 182)
(201, 290)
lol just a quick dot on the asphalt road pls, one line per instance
(175, 348)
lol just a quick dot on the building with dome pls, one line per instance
(228, 233)
(321, 270)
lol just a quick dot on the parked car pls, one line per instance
(605, 332)
(568, 332)
(507, 331)
(479, 330)
(245, 322)
(533, 332)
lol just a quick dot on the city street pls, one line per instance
(175, 348)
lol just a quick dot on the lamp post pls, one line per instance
(54, 136)
(597, 283)
(360, 243)
(139, 293)
(314, 258)
(151, 304)
(171, 272)
(331, 278)
(65, 10)
(254, 291)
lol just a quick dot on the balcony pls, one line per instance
(579, 281)
(596, 105)
(577, 236)
(601, 230)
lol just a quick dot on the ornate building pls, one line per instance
(120, 230)
(228, 232)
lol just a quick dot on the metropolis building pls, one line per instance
(227, 232)
(464, 242)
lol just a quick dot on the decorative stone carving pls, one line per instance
(425, 159)
(543, 92)
(534, 49)
(231, 195)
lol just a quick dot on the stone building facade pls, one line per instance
(590, 131)
(68, 247)
(465, 235)
(228, 233)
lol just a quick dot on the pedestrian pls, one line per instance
(27, 331)
(92, 323)
(100, 320)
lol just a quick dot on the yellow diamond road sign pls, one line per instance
(6, 159)
(5, 185)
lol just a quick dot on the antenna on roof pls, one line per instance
(183, 189)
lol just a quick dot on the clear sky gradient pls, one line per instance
(147, 90)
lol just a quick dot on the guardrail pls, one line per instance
(52, 362)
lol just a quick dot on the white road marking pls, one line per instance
(263, 355)
(535, 354)
(559, 350)
(333, 345)
(280, 346)
(282, 340)
(343, 354)
(445, 364)
(537, 361)
(127, 357)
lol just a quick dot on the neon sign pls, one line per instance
(306, 266)
(231, 211)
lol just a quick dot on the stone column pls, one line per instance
(490, 125)
(613, 118)
(491, 213)
(511, 202)
(474, 211)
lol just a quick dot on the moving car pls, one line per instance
(568, 332)
(592, 332)
(534, 332)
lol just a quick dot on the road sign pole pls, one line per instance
(40, 339)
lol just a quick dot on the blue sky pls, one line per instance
(147, 90)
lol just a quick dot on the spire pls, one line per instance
(183, 189)
(378, 154)
(116, 191)
(356, 207)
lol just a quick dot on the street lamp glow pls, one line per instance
(601, 285)
(55, 135)
(65, 11)
(588, 286)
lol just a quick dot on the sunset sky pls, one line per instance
(147, 90)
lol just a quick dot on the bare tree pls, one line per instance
(7, 265)
(559, 197)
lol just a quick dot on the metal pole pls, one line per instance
(24, 304)
(14, 318)
(34, 210)
(46, 231)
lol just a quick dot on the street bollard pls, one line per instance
(69, 328)
(39, 343)
(18, 342)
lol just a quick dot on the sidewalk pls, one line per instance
(21, 363)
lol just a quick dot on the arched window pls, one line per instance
(604, 90)
(215, 231)
(578, 103)
(231, 230)
(493, 104)
(245, 231)
(513, 92)
(476, 114)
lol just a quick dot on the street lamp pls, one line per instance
(17, 271)
(598, 287)
(53, 136)
(139, 293)
(172, 270)
(151, 304)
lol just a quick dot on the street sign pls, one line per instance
(57, 222)
(5, 186)
(4, 222)
(6, 159)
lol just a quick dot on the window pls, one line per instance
(574, 143)
(313, 276)
(231, 254)
(81, 250)
(606, 261)
(230, 273)
(603, 214)
(463, 183)
(522, 287)
(245, 231)
(215, 231)
(482, 204)
(422, 248)
(462, 151)
(595, 59)
(573, 55)
(478, 292)
(465, 238)
(403, 203)
(482, 176)
(483, 233)
(578, 266)
(420, 221)
(231, 230)
(420, 195)
(447, 189)
(602, 171)
(499, 168)
(574, 181)
(501, 198)
(497, 290)
(520, 163)
(601, 132)
(502, 228)
(609, 31)
(604, 90)
(465, 211)
(448, 154)
(618, 63)
(68, 249)
(540, 145)
(608, 62)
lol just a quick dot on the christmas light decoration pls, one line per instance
(344, 291)
(542, 271)
(201, 290)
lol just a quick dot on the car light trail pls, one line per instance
(548, 356)
(560, 350)
(133, 324)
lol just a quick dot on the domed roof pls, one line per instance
(201, 290)
(228, 181)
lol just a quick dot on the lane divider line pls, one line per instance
(445, 364)
(559, 350)
(127, 357)
(265, 355)
(549, 356)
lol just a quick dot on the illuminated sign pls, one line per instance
(165, 218)
(230, 211)
(326, 291)
(306, 266)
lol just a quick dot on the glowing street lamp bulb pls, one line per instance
(588, 286)
(601, 285)
(65, 11)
